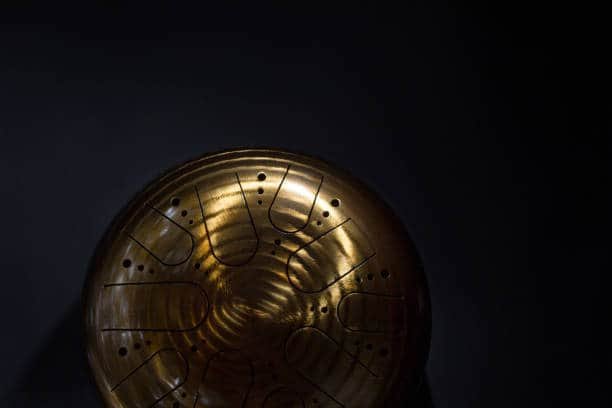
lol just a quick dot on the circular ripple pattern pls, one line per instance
(256, 278)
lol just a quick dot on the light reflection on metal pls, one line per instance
(256, 278)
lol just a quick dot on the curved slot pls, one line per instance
(326, 365)
(155, 306)
(294, 200)
(328, 258)
(370, 312)
(163, 238)
(163, 372)
(227, 381)
(230, 228)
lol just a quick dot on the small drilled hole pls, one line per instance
(141, 267)
(326, 214)
(335, 202)
(277, 241)
(190, 221)
(259, 202)
(176, 404)
(183, 394)
(312, 308)
(261, 177)
(127, 263)
(194, 348)
(384, 273)
(369, 346)
(370, 276)
(324, 309)
(137, 346)
(176, 201)
(184, 213)
(358, 279)
(260, 190)
(151, 271)
(273, 252)
(122, 351)
(148, 342)
(197, 265)
(318, 222)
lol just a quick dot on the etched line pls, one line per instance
(321, 390)
(246, 203)
(320, 236)
(277, 190)
(339, 278)
(315, 270)
(359, 265)
(304, 246)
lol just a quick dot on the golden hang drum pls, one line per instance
(256, 278)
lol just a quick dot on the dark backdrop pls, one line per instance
(457, 116)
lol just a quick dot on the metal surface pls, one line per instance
(256, 278)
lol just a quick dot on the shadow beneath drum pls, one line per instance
(58, 376)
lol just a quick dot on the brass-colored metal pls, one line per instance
(255, 278)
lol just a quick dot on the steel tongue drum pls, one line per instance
(256, 278)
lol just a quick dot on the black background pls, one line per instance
(476, 124)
